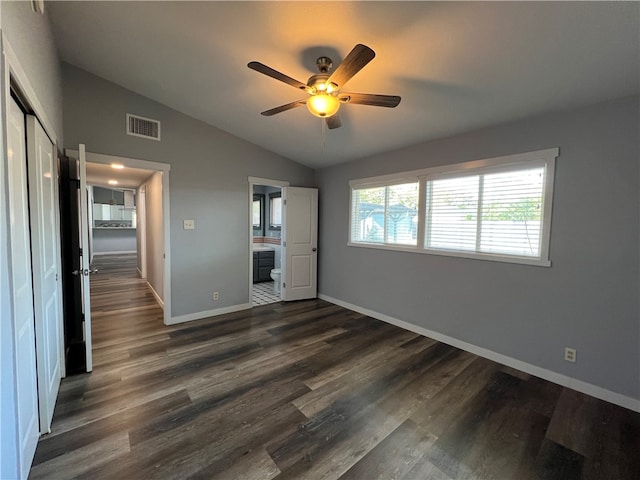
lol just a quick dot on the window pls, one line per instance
(494, 209)
(385, 215)
(490, 212)
(275, 211)
(257, 208)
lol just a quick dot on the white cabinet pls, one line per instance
(104, 213)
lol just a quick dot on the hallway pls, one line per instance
(122, 305)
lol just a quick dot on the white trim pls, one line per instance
(166, 225)
(22, 81)
(126, 161)
(157, 297)
(384, 180)
(454, 253)
(270, 183)
(208, 313)
(121, 252)
(558, 378)
(541, 158)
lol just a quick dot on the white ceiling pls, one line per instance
(100, 174)
(457, 66)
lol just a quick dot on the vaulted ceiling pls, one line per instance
(457, 66)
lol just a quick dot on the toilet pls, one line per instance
(275, 275)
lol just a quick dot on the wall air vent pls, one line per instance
(143, 127)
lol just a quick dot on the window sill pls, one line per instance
(459, 254)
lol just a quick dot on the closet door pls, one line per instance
(43, 201)
(24, 331)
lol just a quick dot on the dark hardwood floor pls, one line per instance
(311, 390)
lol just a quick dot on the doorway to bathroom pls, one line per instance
(266, 241)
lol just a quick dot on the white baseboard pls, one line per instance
(123, 252)
(155, 294)
(558, 378)
(209, 313)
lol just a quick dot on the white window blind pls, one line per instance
(385, 215)
(275, 211)
(257, 213)
(493, 213)
(452, 213)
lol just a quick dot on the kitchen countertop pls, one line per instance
(260, 248)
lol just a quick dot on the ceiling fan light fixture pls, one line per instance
(323, 105)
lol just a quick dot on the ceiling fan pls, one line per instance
(325, 89)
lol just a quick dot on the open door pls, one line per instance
(300, 235)
(43, 201)
(85, 255)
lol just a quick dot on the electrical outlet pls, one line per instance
(570, 354)
(216, 296)
(189, 224)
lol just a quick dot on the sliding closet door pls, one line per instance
(26, 375)
(43, 201)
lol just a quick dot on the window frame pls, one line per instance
(258, 197)
(273, 226)
(521, 161)
(392, 182)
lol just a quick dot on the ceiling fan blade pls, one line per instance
(270, 72)
(373, 99)
(283, 108)
(333, 121)
(352, 64)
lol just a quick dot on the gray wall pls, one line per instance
(30, 37)
(208, 183)
(114, 240)
(587, 299)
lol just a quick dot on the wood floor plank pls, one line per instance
(81, 459)
(309, 390)
(395, 456)
(254, 465)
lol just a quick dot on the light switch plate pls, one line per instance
(189, 224)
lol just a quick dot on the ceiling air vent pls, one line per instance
(143, 127)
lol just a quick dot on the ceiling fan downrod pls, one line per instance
(324, 64)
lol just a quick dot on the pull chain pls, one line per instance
(323, 128)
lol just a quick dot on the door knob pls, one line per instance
(86, 272)
(314, 249)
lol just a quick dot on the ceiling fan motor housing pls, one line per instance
(318, 83)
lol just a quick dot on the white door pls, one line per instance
(24, 328)
(300, 234)
(43, 201)
(85, 263)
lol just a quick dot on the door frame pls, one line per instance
(164, 168)
(141, 229)
(252, 182)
